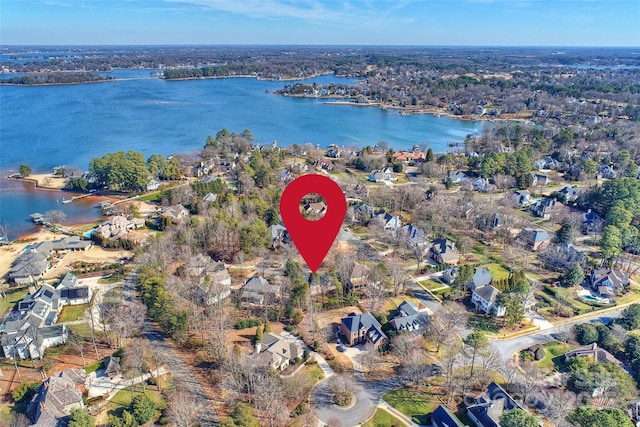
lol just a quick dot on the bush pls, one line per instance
(143, 409)
(248, 323)
(24, 392)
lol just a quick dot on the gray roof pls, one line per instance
(481, 277)
(443, 417)
(356, 322)
(487, 293)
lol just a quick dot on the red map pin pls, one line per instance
(313, 238)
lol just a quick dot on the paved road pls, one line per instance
(181, 374)
(507, 348)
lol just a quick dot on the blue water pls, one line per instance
(48, 126)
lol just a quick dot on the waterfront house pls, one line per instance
(361, 329)
(444, 251)
(489, 407)
(280, 350)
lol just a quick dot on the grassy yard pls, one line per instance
(383, 418)
(497, 271)
(122, 400)
(483, 323)
(152, 197)
(10, 300)
(554, 350)
(72, 312)
(114, 278)
(414, 404)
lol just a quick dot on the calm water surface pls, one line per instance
(48, 126)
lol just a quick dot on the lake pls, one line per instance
(49, 126)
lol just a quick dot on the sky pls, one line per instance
(322, 22)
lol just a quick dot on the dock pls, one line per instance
(74, 198)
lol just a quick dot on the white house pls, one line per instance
(484, 298)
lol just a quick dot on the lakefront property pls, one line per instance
(451, 255)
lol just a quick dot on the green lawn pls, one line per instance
(72, 312)
(553, 349)
(114, 278)
(497, 271)
(383, 418)
(153, 197)
(122, 400)
(417, 405)
(10, 300)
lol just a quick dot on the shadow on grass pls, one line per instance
(483, 323)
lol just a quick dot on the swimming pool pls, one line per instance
(595, 299)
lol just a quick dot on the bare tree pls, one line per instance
(134, 360)
(530, 383)
(370, 358)
(446, 322)
(54, 217)
(343, 387)
(126, 319)
(90, 319)
(559, 404)
(398, 274)
(77, 342)
(19, 420)
(182, 410)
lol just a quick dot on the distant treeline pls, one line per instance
(55, 78)
(223, 70)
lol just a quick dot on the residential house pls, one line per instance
(280, 350)
(457, 177)
(356, 192)
(29, 267)
(54, 399)
(606, 172)
(175, 213)
(321, 284)
(485, 299)
(414, 236)
(385, 174)
(361, 329)
(279, 235)
(388, 221)
(409, 157)
(534, 239)
(152, 185)
(315, 208)
(443, 417)
(118, 226)
(334, 151)
(591, 221)
(210, 198)
(444, 251)
(481, 184)
(608, 282)
(362, 213)
(359, 276)
(70, 293)
(258, 291)
(543, 208)
(546, 164)
(488, 221)
(449, 274)
(522, 198)
(212, 278)
(571, 193)
(593, 353)
(562, 256)
(481, 277)
(409, 318)
(489, 407)
(539, 179)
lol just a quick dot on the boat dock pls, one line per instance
(74, 198)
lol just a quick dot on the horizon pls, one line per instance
(463, 23)
(461, 46)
